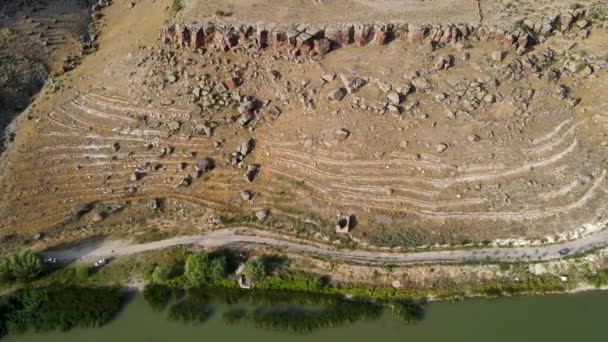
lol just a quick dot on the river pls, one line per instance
(580, 317)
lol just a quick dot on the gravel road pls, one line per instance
(234, 237)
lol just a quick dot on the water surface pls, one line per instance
(570, 318)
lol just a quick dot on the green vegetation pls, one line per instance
(43, 309)
(220, 13)
(24, 266)
(255, 270)
(201, 270)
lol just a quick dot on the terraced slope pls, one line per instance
(459, 144)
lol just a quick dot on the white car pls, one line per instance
(50, 260)
(99, 263)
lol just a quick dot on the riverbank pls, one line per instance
(308, 274)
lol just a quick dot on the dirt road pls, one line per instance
(232, 237)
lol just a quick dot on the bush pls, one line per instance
(22, 267)
(255, 270)
(161, 274)
(217, 268)
(220, 13)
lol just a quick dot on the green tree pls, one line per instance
(22, 266)
(255, 269)
(195, 269)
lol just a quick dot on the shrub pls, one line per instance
(220, 13)
(255, 270)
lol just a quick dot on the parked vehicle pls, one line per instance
(100, 263)
(50, 260)
(564, 251)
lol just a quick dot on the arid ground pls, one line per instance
(420, 144)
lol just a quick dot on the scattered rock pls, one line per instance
(394, 98)
(204, 165)
(246, 146)
(274, 112)
(440, 148)
(262, 214)
(498, 55)
(154, 204)
(343, 224)
(341, 134)
(328, 77)
(251, 172)
(337, 94)
(246, 118)
(443, 62)
(246, 195)
(81, 209)
(421, 84)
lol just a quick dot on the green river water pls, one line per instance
(580, 317)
